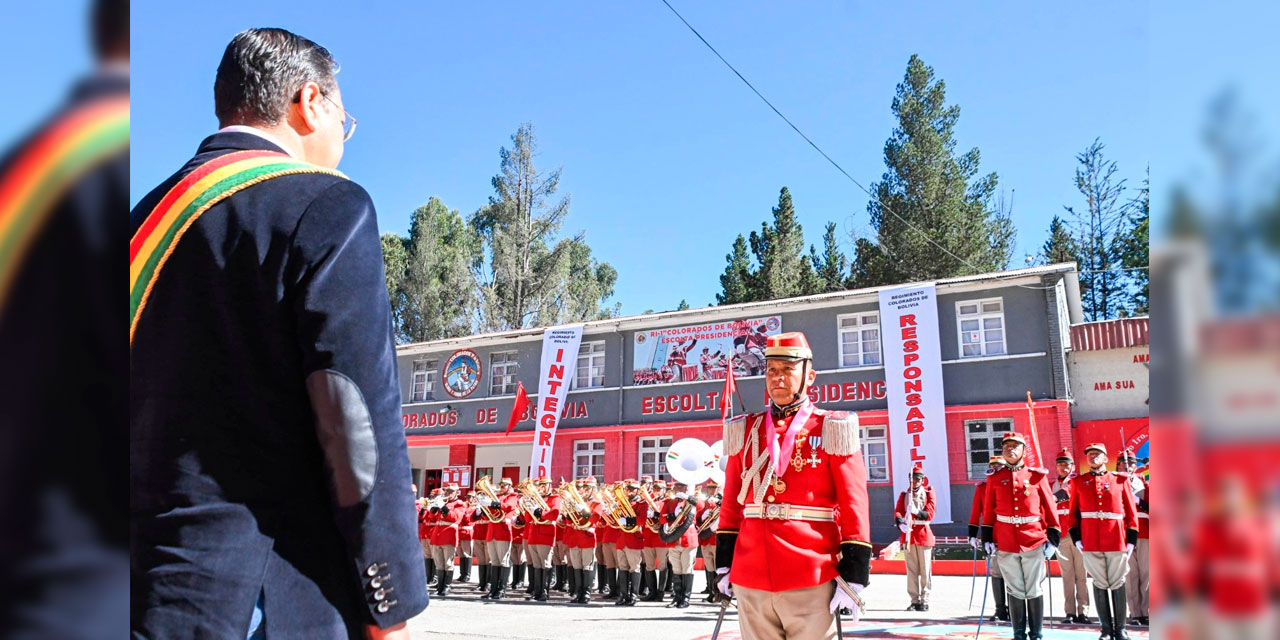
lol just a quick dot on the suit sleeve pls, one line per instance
(345, 339)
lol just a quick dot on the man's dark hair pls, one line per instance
(262, 71)
(109, 28)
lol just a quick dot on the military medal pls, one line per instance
(798, 461)
(779, 486)
(814, 443)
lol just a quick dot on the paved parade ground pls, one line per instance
(467, 616)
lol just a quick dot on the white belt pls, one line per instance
(1017, 519)
(1064, 512)
(789, 512)
(1143, 516)
(1102, 515)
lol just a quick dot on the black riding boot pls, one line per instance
(602, 578)
(482, 574)
(573, 583)
(517, 573)
(651, 587)
(624, 588)
(431, 570)
(1000, 597)
(488, 573)
(560, 578)
(610, 584)
(664, 580)
(1102, 602)
(499, 590)
(1018, 615)
(584, 586)
(464, 570)
(636, 580)
(1035, 617)
(711, 585)
(1119, 612)
(688, 591)
(442, 583)
(677, 590)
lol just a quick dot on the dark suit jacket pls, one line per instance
(266, 447)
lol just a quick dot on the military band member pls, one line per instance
(708, 522)
(679, 509)
(915, 510)
(542, 539)
(582, 544)
(1105, 528)
(560, 557)
(631, 547)
(466, 531)
(795, 512)
(519, 545)
(1075, 580)
(434, 499)
(1020, 521)
(449, 512)
(608, 536)
(655, 550)
(498, 539)
(425, 526)
(1138, 582)
(479, 544)
(975, 524)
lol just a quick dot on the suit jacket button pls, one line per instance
(372, 570)
(384, 606)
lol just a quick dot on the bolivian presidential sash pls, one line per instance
(40, 175)
(199, 190)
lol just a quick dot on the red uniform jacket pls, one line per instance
(544, 534)
(604, 533)
(467, 530)
(1235, 564)
(1062, 495)
(688, 539)
(1103, 512)
(586, 538)
(425, 525)
(708, 535)
(501, 531)
(975, 511)
(1142, 499)
(921, 532)
(650, 520)
(1018, 510)
(776, 554)
(634, 540)
(480, 528)
(447, 523)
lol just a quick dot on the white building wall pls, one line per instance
(1113, 383)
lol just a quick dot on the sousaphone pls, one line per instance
(689, 462)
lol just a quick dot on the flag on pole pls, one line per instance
(726, 398)
(1035, 434)
(518, 409)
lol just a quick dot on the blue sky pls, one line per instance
(666, 154)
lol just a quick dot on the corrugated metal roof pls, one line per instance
(1110, 334)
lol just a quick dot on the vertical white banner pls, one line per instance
(913, 374)
(559, 363)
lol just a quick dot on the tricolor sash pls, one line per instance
(51, 163)
(185, 202)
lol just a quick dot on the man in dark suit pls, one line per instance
(270, 477)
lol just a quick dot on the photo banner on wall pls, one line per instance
(702, 352)
(913, 374)
(556, 370)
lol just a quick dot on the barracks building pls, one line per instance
(643, 382)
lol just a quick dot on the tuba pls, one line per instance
(483, 487)
(530, 499)
(689, 462)
(622, 504)
(574, 507)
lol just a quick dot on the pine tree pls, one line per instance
(1135, 251)
(684, 305)
(736, 281)
(831, 267)
(779, 251)
(1096, 229)
(439, 298)
(1060, 247)
(395, 262)
(936, 191)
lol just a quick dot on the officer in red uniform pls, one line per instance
(681, 510)
(631, 547)
(466, 532)
(1020, 521)
(1138, 582)
(975, 525)
(1105, 528)
(795, 512)
(429, 517)
(582, 544)
(449, 514)
(608, 537)
(479, 544)
(501, 515)
(1075, 579)
(708, 521)
(655, 550)
(542, 539)
(915, 510)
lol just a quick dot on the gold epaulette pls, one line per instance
(735, 435)
(840, 434)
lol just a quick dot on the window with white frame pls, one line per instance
(875, 452)
(590, 372)
(859, 339)
(653, 453)
(502, 373)
(982, 440)
(588, 459)
(424, 380)
(981, 324)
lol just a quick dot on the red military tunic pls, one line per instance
(708, 535)
(446, 524)
(634, 540)
(501, 531)
(466, 531)
(921, 532)
(1019, 509)
(651, 520)
(976, 510)
(1062, 495)
(425, 525)
(585, 538)
(688, 539)
(480, 530)
(544, 534)
(775, 554)
(1142, 499)
(1103, 512)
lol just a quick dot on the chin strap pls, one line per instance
(797, 398)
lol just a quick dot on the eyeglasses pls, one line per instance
(348, 121)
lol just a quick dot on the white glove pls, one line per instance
(723, 583)
(841, 600)
(989, 547)
(903, 527)
(1080, 546)
(1128, 551)
(1049, 551)
(485, 501)
(975, 543)
(682, 496)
